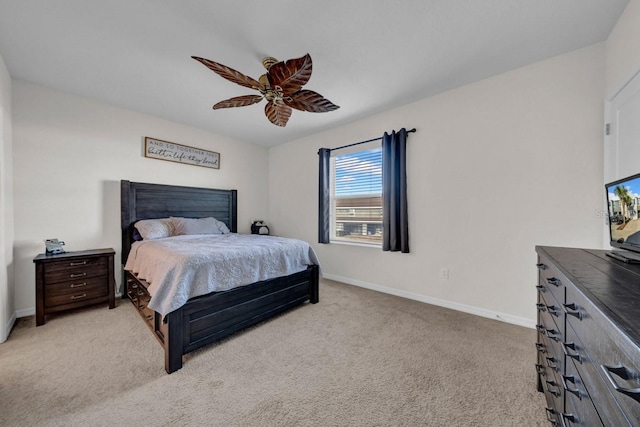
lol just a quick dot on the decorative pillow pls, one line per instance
(189, 226)
(151, 229)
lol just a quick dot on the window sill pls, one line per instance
(352, 243)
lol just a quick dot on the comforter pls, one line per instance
(182, 267)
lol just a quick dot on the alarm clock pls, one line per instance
(259, 227)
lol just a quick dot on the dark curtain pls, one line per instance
(395, 222)
(324, 195)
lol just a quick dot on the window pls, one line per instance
(356, 195)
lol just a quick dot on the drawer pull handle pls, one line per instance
(550, 384)
(553, 281)
(572, 310)
(541, 266)
(541, 288)
(623, 373)
(78, 296)
(553, 310)
(566, 346)
(134, 286)
(541, 307)
(552, 334)
(550, 413)
(540, 347)
(77, 275)
(73, 264)
(551, 363)
(149, 317)
(569, 417)
(540, 369)
(78, 285)
(571, 379)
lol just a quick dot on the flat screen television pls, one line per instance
(623, 201)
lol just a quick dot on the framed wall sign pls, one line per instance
(170, 151)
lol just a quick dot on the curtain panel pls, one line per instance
(324, 195)
(395, 220)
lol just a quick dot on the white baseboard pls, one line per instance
(5, 334)
(508, 318)
(26, 312)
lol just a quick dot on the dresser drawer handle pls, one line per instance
(540, 369)
(149, 317)
(540, 347)
(73, 276)
(78, 285)
(550, 413)
(551, 363)
(553, 281)
(566, 346)
(572, 310)
(571, 379)
(78, 296)
(73, 264)
(541, 288)
(623, 373)
(541, 266)
(569, 417)
(550, 384)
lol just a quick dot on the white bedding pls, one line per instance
(182, 267)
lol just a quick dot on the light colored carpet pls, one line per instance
(358, 358)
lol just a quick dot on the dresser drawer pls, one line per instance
(579, 409)
(590, 373)
(67, 270)
(551, 280)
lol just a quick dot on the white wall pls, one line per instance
(7, 310)
(623, 50)
(495, 168)
(622, 97)
(70, 154)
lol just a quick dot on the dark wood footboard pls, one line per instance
(209, 318)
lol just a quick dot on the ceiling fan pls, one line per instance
(281, 86)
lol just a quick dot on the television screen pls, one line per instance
(623, 200)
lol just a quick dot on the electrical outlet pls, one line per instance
(444, 273)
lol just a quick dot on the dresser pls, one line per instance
(588, 345)
(73, 279)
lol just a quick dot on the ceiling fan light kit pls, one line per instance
(281, 86)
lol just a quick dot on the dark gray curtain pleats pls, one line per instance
(395, 221)
(324, 195)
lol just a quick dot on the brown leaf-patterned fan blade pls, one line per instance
(290, 75)
(229, 73)
(238, 101)
(308, 100)
(277, 113)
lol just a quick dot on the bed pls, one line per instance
(207, 318)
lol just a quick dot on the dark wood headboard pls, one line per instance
(146, 201)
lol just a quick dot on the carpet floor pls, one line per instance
(357, 358)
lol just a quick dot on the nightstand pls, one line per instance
(73, 279)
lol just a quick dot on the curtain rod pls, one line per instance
(364, 142)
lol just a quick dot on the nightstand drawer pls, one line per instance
(76, 296)
(75, 286)
(75, 270)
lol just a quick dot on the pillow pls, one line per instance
(190, 226)
(151, 229)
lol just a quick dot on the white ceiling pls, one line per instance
(368, 55)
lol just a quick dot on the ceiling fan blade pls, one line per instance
(308, 100)
(290, 75)
(238, 101)
(278, 113)
(229, 73)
